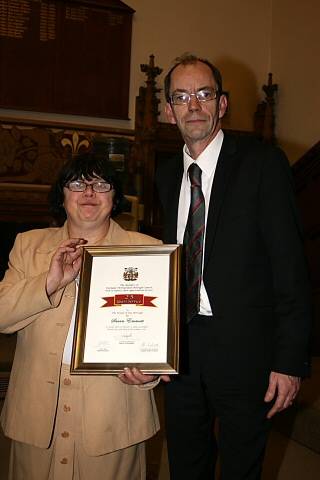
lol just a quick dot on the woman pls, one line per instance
(63, 427)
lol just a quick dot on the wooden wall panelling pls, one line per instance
(66, 56)
(30, 158)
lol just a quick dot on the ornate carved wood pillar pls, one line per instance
(143, 151)
(264, 117)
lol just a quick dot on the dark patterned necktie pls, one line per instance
(193, 242)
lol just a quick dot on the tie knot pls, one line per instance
(195, 175)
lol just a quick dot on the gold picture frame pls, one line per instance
(128, 310)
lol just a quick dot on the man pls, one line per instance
(246, 314)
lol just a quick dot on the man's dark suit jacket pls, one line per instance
(254, 266)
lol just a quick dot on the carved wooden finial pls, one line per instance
(270, 89)
(151, 71)
(264, 117)
(147, 108)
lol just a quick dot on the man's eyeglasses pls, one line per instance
(203, 95)
(80, 186)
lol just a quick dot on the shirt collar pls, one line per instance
(207, 159)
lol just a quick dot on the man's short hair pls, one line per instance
(190, 59)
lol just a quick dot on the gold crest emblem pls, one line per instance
(130, 274)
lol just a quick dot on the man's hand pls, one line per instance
(134, 376)
(65, 264)
(284, 388)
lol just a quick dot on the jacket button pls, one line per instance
(65, 434)
(67, 381)
(66, 408)
(64, 461)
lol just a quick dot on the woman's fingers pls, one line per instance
(65, 264)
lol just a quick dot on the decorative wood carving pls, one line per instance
(264, 117)
(30, 158)
(75, 142)
(143, 151)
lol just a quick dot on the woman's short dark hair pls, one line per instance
(190, 59)
(87, 166)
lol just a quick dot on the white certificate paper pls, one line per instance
(128, 310)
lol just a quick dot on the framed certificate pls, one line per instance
(128, 310)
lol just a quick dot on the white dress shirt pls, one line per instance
(66, 358)
(207, 161)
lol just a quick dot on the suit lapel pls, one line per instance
(225, 166)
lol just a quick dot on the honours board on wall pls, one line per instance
(70, 57)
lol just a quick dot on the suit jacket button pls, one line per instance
(67, 381)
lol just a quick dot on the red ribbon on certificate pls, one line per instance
(129, 299)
